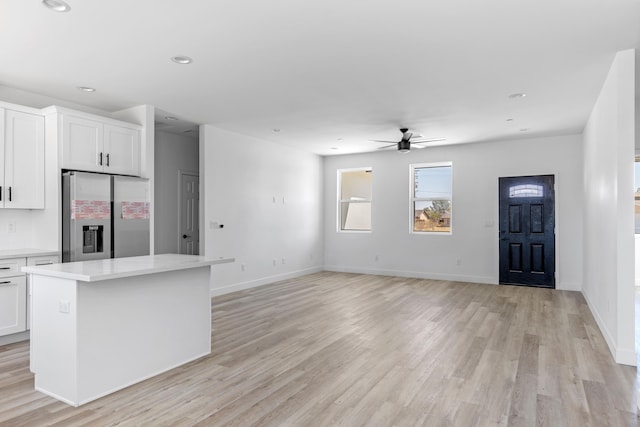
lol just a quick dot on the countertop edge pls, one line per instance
(43, 271)
(26, 253)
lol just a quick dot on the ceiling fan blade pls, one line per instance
(424, 140)
(414, 145)
(378, 140)
(388, 146)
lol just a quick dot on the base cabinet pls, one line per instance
(15, 292)
(13, 296)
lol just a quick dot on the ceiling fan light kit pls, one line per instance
(404, 145)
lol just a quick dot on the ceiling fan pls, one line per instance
(408, 138)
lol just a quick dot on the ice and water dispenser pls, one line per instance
(92, 239)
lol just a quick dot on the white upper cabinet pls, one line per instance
(100, 145)
(82, 143)
(122, 148)
(21, 160)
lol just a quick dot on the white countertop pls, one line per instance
(116, 268)
(25, 252)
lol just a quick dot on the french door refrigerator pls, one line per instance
(104, 216)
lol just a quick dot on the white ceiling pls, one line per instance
(328, 73)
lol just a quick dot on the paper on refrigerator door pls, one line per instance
(135, 210)
(90, 209)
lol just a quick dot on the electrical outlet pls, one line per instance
(11, 227)
(64, 306)
(275, 262)
(283, 261)
(242, 267)
(377, 258)
(458, 261)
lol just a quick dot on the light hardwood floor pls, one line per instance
(346, 349)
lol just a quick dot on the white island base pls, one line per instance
(100, 326)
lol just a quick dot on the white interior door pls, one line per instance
(188, 215)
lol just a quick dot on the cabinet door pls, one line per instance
(24, 160)
(82, 144)
(13, 305)
(122, 148)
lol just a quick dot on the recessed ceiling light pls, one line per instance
(517, 95)
(524, 129)
(86, 89)
(509, 120)
(182, 59)
(339, 139)
(57, 5)
(276, 130)
(170, 118)
(334, 148)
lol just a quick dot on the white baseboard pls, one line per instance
(10, 339)
(262, 281)
(623, 356)
(569, 286)
(413, 274)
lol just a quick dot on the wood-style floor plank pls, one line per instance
(346, 349)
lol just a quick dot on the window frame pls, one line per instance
(340, 201)
(413, 199)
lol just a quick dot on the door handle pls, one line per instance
(184, 236)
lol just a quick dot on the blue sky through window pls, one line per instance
(433, 183)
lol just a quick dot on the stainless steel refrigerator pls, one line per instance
(104, 216)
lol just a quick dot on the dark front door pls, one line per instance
(527, 231)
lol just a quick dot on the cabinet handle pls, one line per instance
(100, 161)
(5, 268)
(44, 263)
(108, 159)
(0, 193)
(9, 193)
(5, 282)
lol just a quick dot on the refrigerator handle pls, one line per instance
(100, 161)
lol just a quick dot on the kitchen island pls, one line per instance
(99, 326)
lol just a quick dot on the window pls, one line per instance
(431, 197)
(354, 204)
(526, 190)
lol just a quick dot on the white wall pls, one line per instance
(173, 153)
(21, 235)
(608, 206)
(244, 182)
(390, 249)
